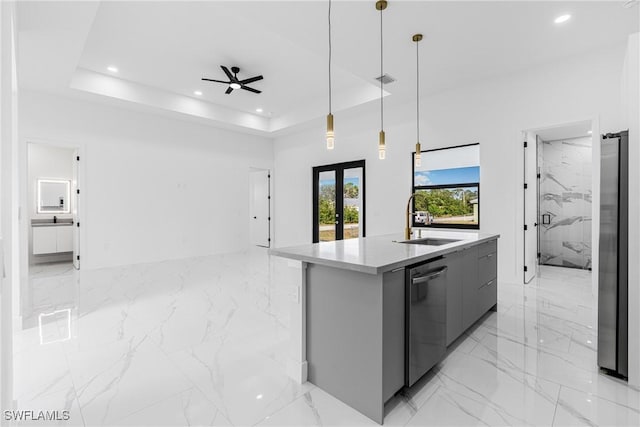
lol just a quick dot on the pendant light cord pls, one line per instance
(417, 92)
(381, 77)
(329, 56)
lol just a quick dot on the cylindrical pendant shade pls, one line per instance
(330, 135)
(381, 146)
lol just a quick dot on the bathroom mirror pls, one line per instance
(53, 196)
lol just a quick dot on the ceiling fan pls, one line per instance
(234, 83)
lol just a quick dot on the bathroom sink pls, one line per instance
(430, 241)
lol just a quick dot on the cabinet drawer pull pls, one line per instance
(489, 283)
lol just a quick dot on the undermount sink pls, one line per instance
(430, 241)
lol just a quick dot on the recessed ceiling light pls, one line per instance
(112, 69)
(562, 18)
(259, 110)
(197, 92)
(259, 397)
(590, 132)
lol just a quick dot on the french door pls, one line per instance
(338, 201)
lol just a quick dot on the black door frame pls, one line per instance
(339, 170)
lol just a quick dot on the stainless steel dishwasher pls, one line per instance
(425, 341)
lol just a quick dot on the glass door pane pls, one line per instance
(327, 219)
(352, 203)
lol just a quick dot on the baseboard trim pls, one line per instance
(297, 370)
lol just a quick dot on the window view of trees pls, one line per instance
(350, 190)
(449, 205)
(327, 210)
(327, 204)
(447, 188)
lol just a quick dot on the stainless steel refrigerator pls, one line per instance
(613, 257)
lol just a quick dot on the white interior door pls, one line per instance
(530, 207)
(260, 208)
(76, 224)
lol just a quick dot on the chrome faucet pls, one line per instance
(407, 228)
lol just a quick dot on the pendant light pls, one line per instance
(418, 157)
(330, 134)
(382, 154)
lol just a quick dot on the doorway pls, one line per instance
(260, 207)
(339, 201)
(50, 234)
(53, 196)
(558, 205)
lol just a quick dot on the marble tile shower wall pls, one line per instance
(565, 203)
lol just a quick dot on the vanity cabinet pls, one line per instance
(45, 240)
(52, 239)
(64, 238)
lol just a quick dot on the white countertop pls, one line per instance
(377, 254)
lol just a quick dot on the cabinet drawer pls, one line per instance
(487, 248)
(487, 296)
(487, 268)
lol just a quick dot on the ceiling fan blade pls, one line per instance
(229, 90)
(217, 81)
(250, 89)
(251, 80)
(228, 73)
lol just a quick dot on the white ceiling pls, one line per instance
(574, 130)
(163, 49)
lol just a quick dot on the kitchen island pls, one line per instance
(360, 316)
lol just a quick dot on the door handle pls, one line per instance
(422, 279)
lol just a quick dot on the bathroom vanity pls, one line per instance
(379, 311)
(50, 237)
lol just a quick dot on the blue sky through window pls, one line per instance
(353, 180)
(447, 176)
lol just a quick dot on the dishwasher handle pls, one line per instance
(425, 278)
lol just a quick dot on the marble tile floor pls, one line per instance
(49, 269)
(203, 341)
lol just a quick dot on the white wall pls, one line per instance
(630, 98)
(492, 113)
(48, 162)
(152, 188)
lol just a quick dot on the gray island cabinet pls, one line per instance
(355, 312)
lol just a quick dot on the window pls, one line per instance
(447, 187)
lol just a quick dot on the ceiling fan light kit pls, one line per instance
(234, 82)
